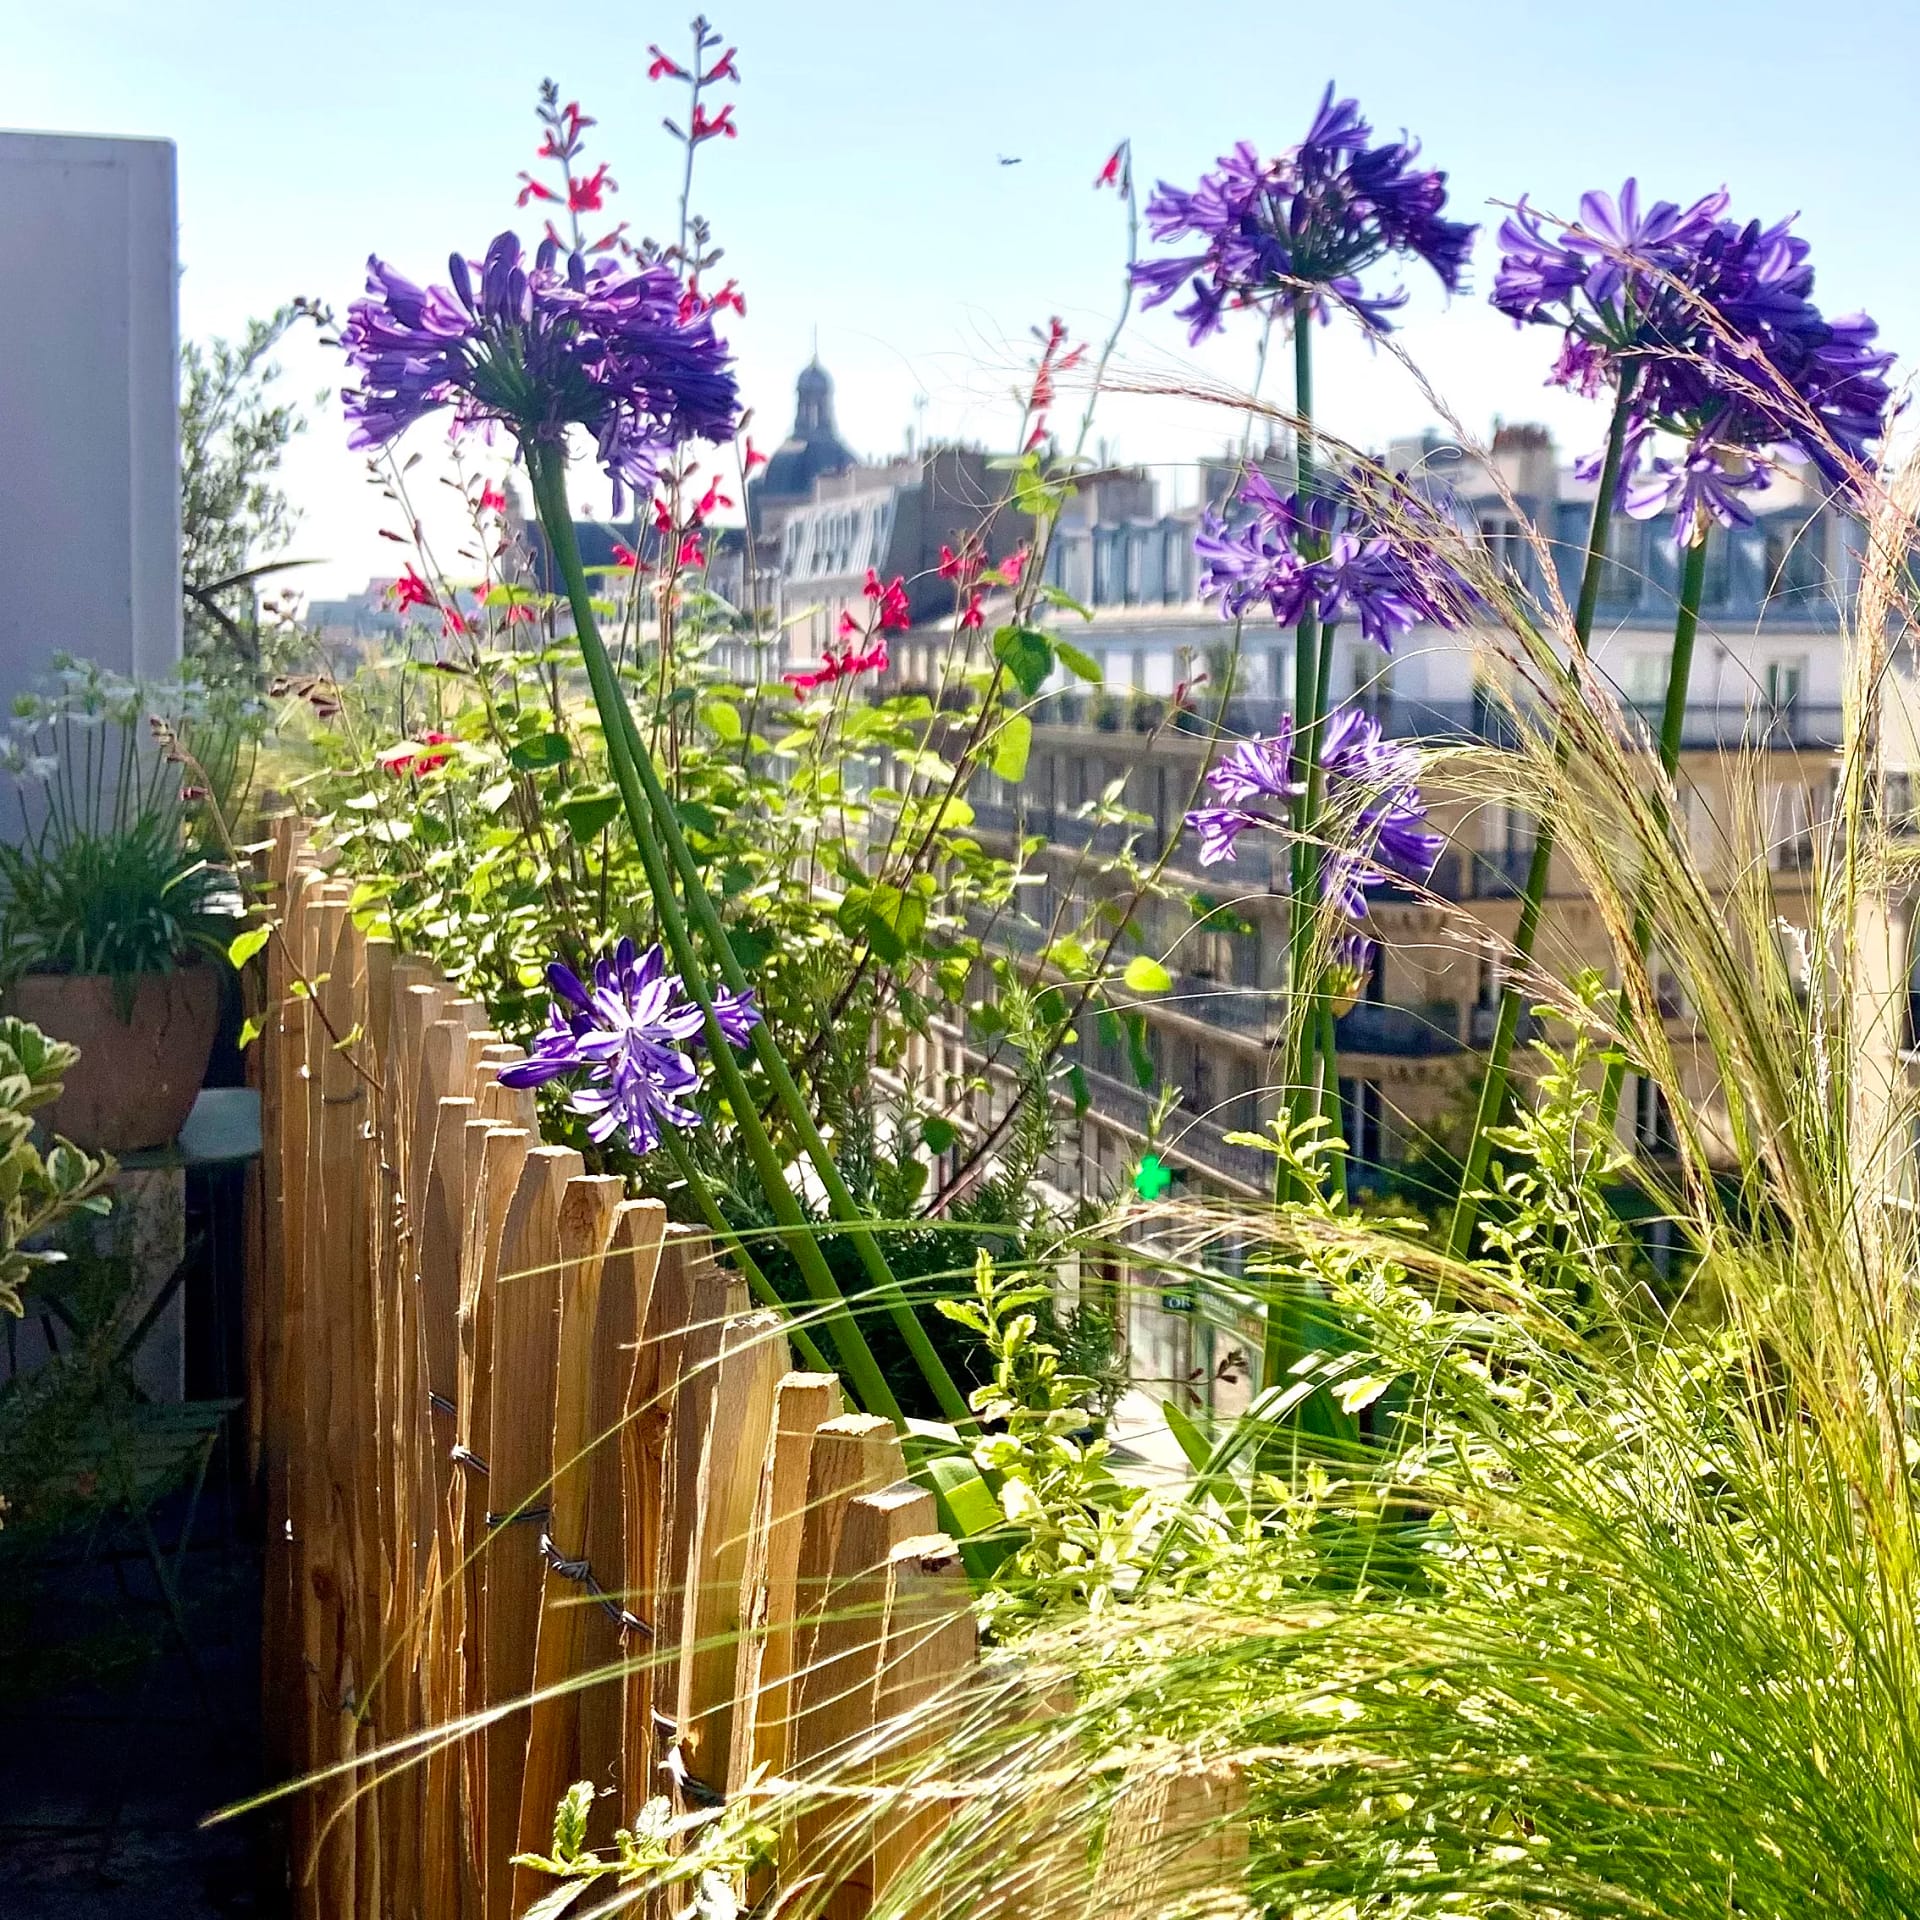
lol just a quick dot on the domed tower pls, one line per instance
(813, 448)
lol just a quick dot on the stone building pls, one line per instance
(1767, 677)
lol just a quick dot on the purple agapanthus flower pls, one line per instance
(1372, 782)
(628, 1033)
(1312, 220)
(1337, 556)
(1373, 813)
(1259, 769)
(559, 344)
(1728, 350)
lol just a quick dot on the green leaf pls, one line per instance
(1026, 654)
(1077, 1086)
(543, 750)
(249, 1032)
(1145, 974)
(1193, 1443)
(937, 1134)
(1011, 745)
(750, 945)
(969, 1513)
(492, 798)
(1083, 666)
(243, 946)
(724, 719)
(1138, 1056)
(1061, 598)
(587, 814)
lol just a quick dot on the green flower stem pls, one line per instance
(762, 1288)
(840, 1200)
(548, 477)
(1673, 720)
(1330, 1095)
(1493, 1089)
(1308, 700)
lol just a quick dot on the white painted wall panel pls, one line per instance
(89, 417)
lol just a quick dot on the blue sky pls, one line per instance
(866, 198)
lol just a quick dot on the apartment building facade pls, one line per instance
(1767, 675)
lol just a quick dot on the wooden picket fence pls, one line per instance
(536, 1472)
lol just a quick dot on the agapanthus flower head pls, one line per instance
(1339, 555)
(629, 1032)
(1373, 816)
(540, 348)
(1258, 769)
(1717, 323)
(1374, 805)
(1309, 222)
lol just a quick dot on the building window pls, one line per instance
(1911, 1038)
(1624, 569)
(1898, 815)
(1652, 1118)
(1784, 681)
(1643, 680)
(1363, 1118)
(1505, 546)
(1715, 580)
(1790, 823)
(1796, 575)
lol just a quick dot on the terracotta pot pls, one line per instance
(136, 1079)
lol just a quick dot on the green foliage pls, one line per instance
(234, 516)
(138, 903)
(124, 793)
(702, 1855)
(38, 1189)
(1077, 1530)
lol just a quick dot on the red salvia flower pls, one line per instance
(534, 190)
(492, 500)
(755, 458)
(663, 68)
(722, 69)
(624, 556)
(963, 567)
(408, 759)
(410, 591)
(690, 554)
(1115, 173)
(973, 617)
(706, 126)
(588, 193)
(711, 499)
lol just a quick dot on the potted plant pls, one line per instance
(111, 918)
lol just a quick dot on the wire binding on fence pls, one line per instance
(580, 1572)
(521, 1517)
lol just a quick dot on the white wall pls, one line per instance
(89, 416)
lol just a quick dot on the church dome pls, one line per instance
(813, 448)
